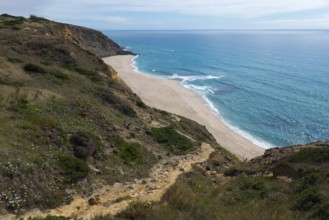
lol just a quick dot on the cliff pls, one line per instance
(45, 30)
(75, 141)
(87, 39)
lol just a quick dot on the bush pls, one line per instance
(175, 142)
(322, 212)
(72, 168)
(128, 152)
(141, 104)
(315, 155)
(233, 171)
(33, 68)
(35, 18)
(92, 75)
(307, 200)
(13, 22)
(136, 210)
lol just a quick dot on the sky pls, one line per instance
(177, 14)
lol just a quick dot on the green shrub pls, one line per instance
(13, 22)
(140, 104)
(322, 212)
(72, 168)
(252, 184)
(35, 18)
(315, 155)
(233, 171)
(60, 75)
(307, 200)
(92, 75)
(33, 68)
(128, 152)
(136, 210)
(174, 141)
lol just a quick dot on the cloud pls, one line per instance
(320, 22)
(144, 12)
(23, 7)
(240, 8)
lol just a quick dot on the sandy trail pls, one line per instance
(114, 199)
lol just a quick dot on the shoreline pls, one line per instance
(171, 96)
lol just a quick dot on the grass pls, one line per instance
(15, 60)
(194, 196)
(60, 75)
(92, 75)
(130, 153)
(174, 141)
(72, 168)
(39, 115)
(13, 23)
(10, 82)
(310, 155)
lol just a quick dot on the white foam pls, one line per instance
(255, 140)
(193, 78)
(202, 91)
(134, 64)
(126, 48)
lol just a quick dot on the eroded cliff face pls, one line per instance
(87, 39)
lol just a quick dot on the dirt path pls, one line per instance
(113, 199)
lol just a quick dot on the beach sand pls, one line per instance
(171, 96)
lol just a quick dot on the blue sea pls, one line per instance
(270, 86)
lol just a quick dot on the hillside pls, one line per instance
(75, 141)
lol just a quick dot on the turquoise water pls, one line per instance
(270, 86)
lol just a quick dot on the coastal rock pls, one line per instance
(83, 146)
(94, 200)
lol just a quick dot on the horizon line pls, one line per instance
(300, 29)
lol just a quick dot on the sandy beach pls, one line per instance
(170, 96)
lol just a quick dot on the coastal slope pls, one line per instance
(69, 126)
(170, 96)
(76, 141)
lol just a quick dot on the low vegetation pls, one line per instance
(242, 195)
(174, 141)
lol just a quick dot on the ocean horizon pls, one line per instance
(271, 86)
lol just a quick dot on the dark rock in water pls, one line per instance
(83, 146)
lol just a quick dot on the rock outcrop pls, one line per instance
(88, 39)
